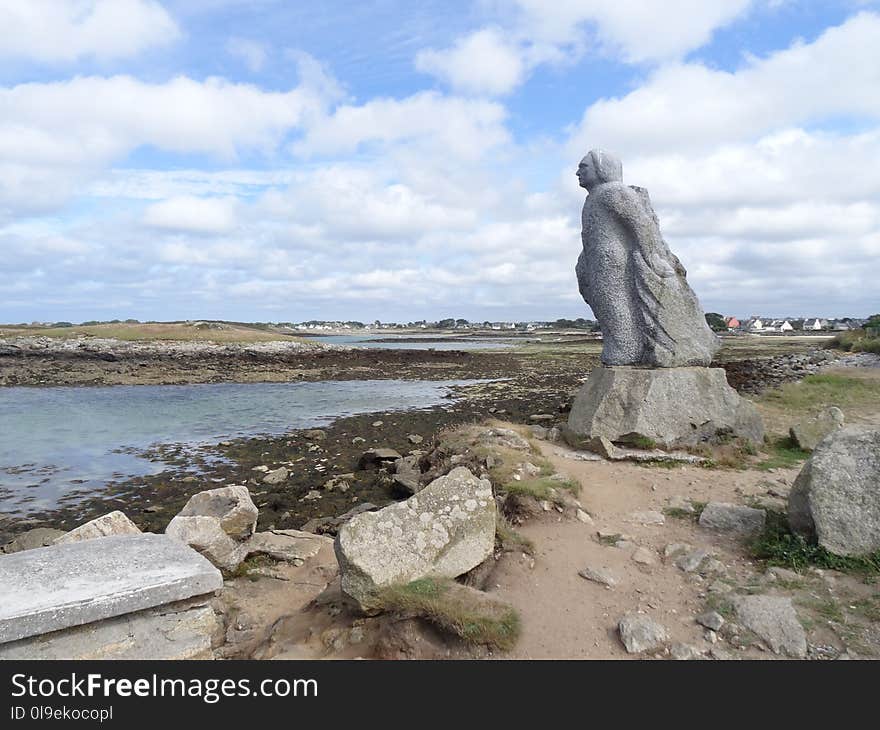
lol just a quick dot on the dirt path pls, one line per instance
(567, 616)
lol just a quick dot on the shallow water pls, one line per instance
(58, 442)
(373, 342)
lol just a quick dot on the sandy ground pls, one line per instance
(566, 616)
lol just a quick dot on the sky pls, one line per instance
(266, 160)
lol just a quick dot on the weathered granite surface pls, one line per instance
(835, 499)
(113, 523)
(444, 530)
(635, 285)
(56, 587)
(231, 505)
(181, 630)
(670, 406)
(807, 434)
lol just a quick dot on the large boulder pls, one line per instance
(205, 535)
(835, 499)
(216, 523)
(445, 530)
(681, 406)
(807, 434)
(113, 523)
(231, 505)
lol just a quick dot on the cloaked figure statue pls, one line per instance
(635, 285)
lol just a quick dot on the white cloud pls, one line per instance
(194, 215)
(251, 52)
(467, 129)
(638, 30)
(54, 136)
(690, 106)
(67, 30)
(483, 62)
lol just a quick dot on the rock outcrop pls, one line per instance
(445, 530)
(668, 406)
(835, 499)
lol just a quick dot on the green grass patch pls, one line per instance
(541, 488)
(637, 441)
(777, 545)
(826, 389)
(782, 453)
(682, 514)
(452, 607)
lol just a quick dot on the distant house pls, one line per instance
(816, 325)
(755, 324)
(732, 323)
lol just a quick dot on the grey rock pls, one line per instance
(276, 476)
(414, 439)
(644, 556)
(315, 434)
(172, 632)
(775, 621)
(646, 517)
(670, 406)
(407, 475)
(810, 432)
(602, 446)
(674, 549)
(538, 432)
(205, 535)
(635, 285)
(231, 506)
(835, 499)
(640, 633)
(36, 538)
(113, 523)
(376, 458)
(691, 561)
(292, 546)
(81, 582)
(444, 530)
(711, 620)
(601, 576)
(725, 517)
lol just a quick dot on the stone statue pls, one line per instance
(654, 384)
(635, 285)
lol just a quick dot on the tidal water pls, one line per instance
(57, 442)
(388, 342)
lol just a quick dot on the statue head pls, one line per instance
(599, 167)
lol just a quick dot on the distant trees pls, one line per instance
(716, 322)
(579, 324)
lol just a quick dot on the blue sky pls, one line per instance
(270, 160)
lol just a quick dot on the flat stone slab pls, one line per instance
(182, 630)
(56, 587)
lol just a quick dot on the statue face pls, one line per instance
(586, 173)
